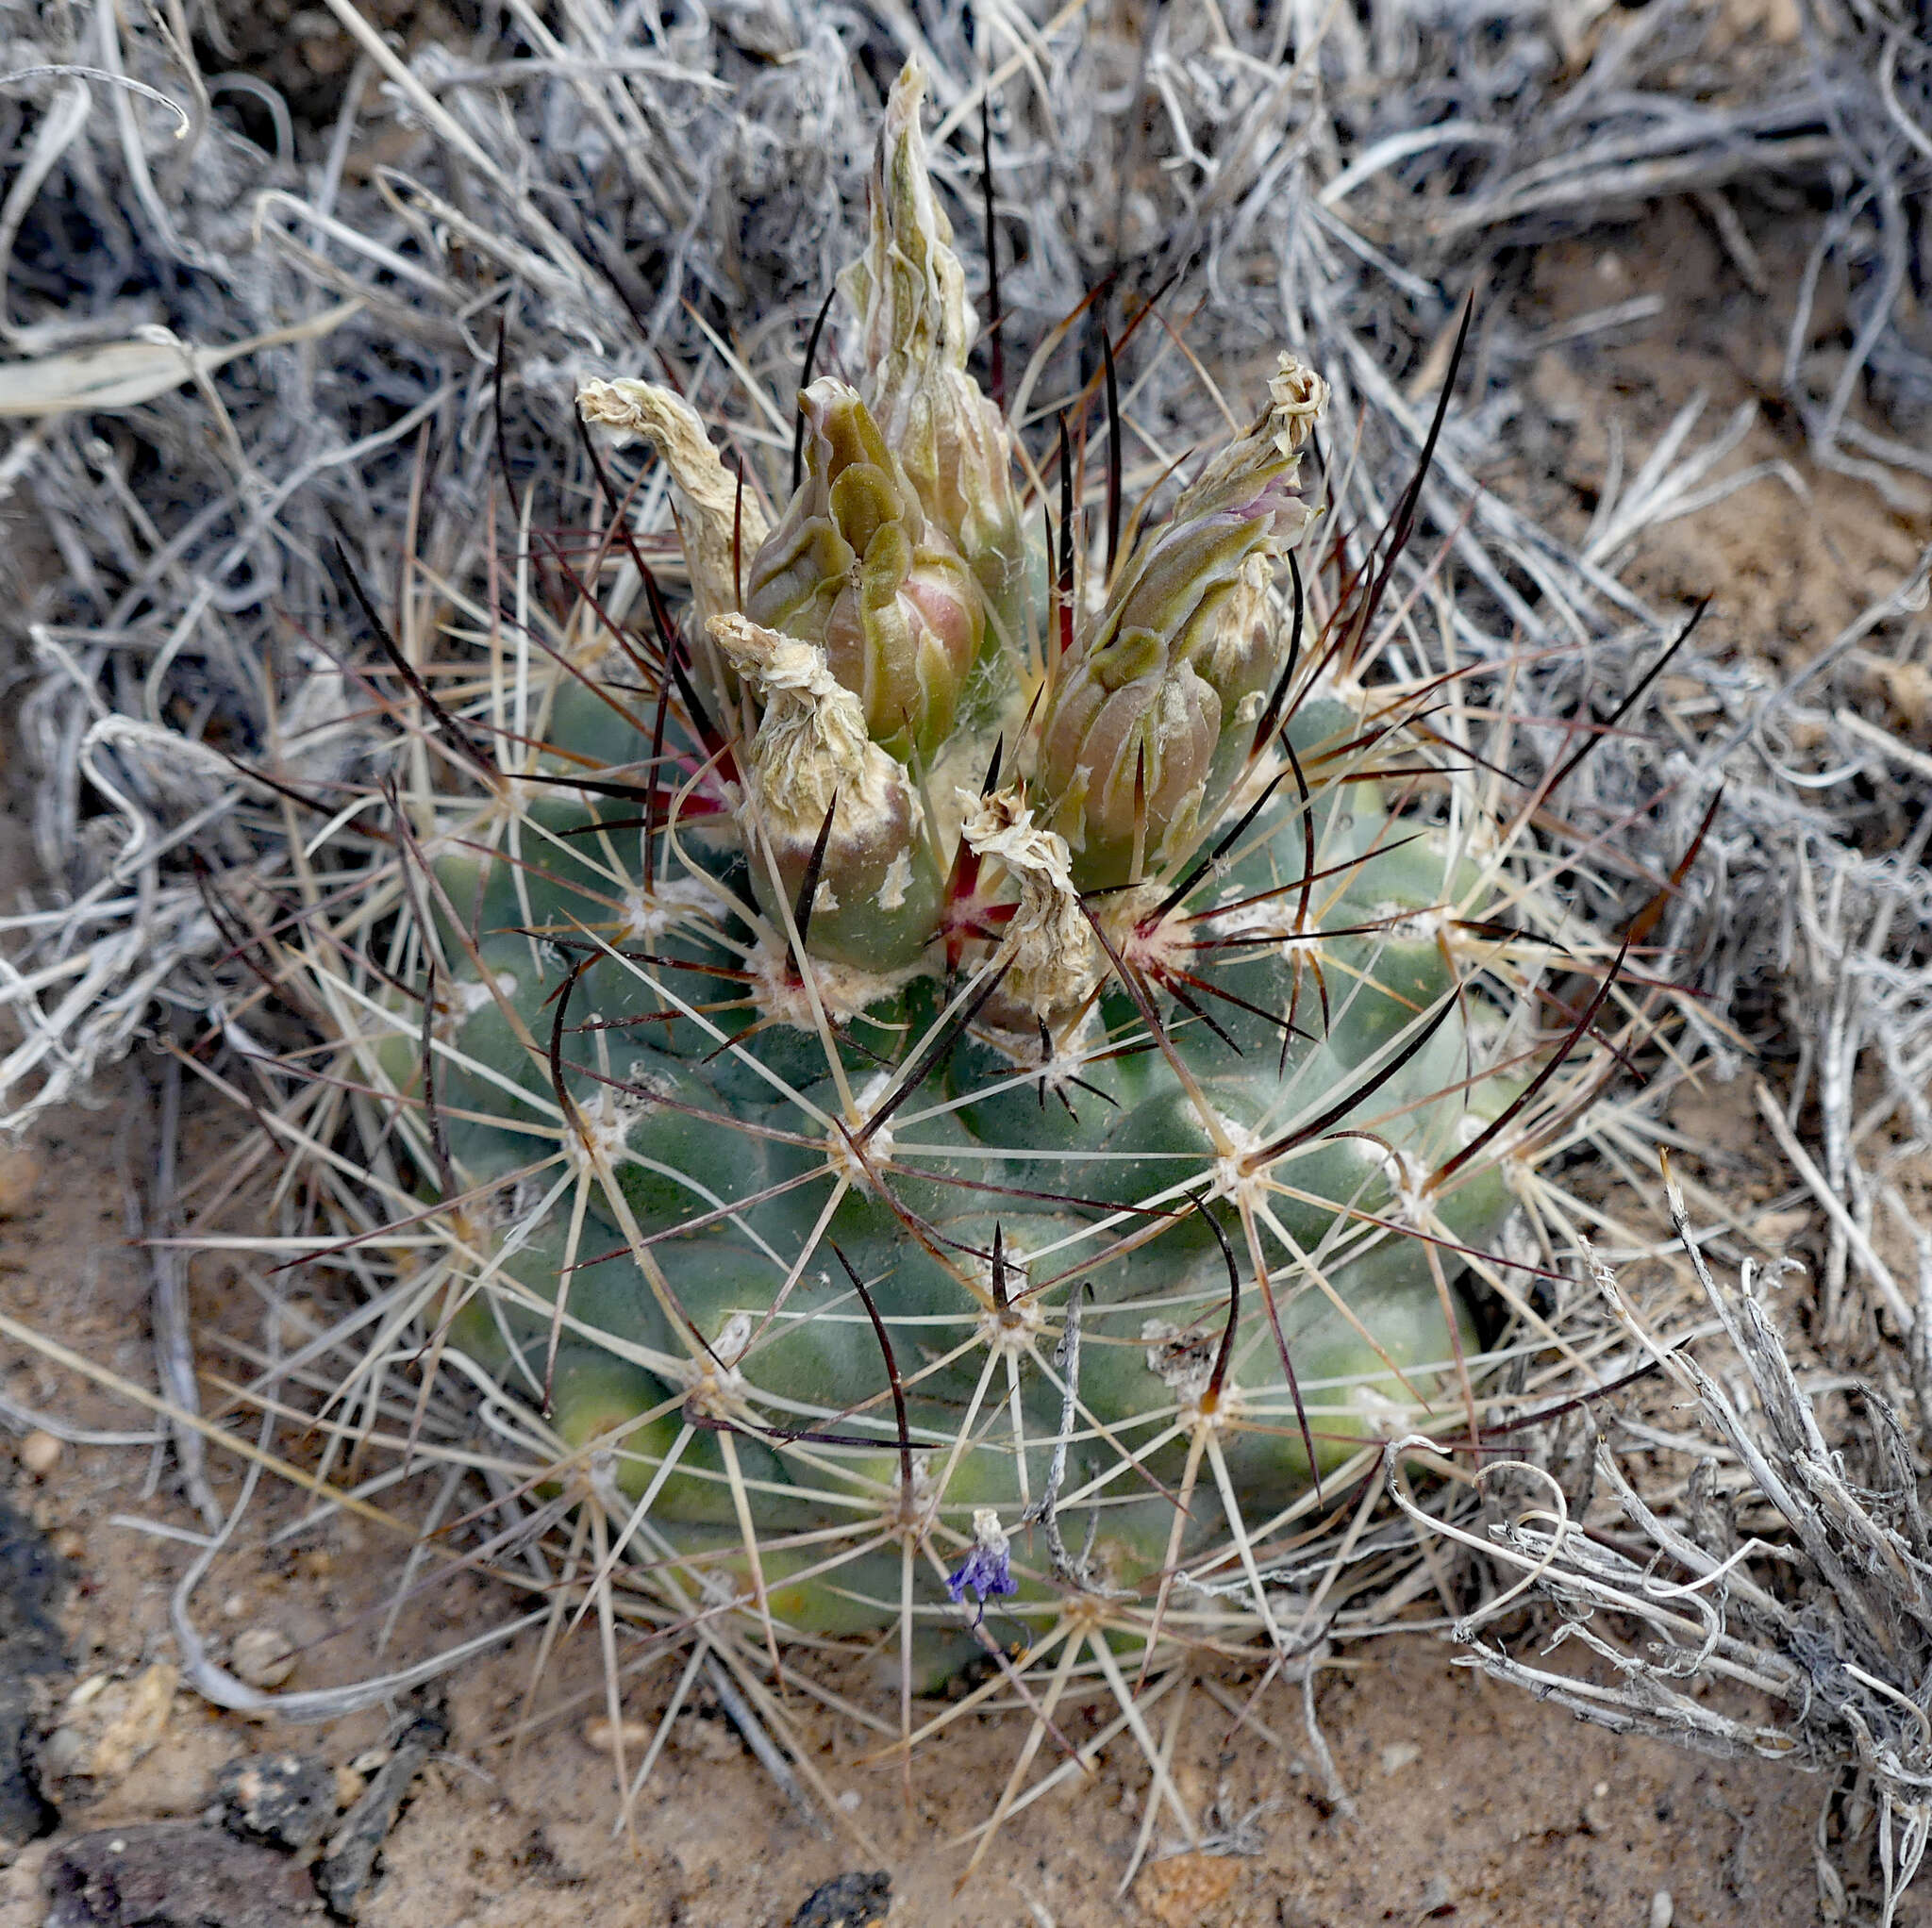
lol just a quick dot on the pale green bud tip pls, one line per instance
(908, 287)
(1256, 474)
(1238, 509)
(856, 566)
(1240, 653)
(916, 328)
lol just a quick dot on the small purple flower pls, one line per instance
(988, 1569)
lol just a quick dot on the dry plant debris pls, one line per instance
(1789, 1567)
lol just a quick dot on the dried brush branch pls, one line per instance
(1788, 1569)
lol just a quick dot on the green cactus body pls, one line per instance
(786, 1097)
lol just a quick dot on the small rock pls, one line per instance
(346, 1872)
(283, 1800)
(173, 1874)
(264, 1657)
(117, 1723)
(1596, 1814)
(1188, 1890)
(1398, 1756)
(39, 1453)
(597, 1735)
(852, 1900)
(20, 1179)
(1663, 1909)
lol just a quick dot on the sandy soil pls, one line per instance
(1792, 558)
(1473, 1804)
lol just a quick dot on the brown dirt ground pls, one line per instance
(1788, 566)
(1474, 1803)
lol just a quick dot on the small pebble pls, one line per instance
(1189, 1890)
(20, 1179)
(264, 1657)
(1663, 1909)
(138, 1714)
(1396, 1757)
(1596, 1815)
(39, 1453)
(91, 1690)
(108, 1725)
(285, 1800)
(635, 1735)
(852, 1900)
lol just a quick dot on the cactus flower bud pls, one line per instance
(915, 330)
(1241, 657)
(1134, 752)
(704, 493)
(856, 566)
(1144, 730)
(877, 897)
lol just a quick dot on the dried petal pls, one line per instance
(1051, 957)
(878, 899)
(704, 493)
